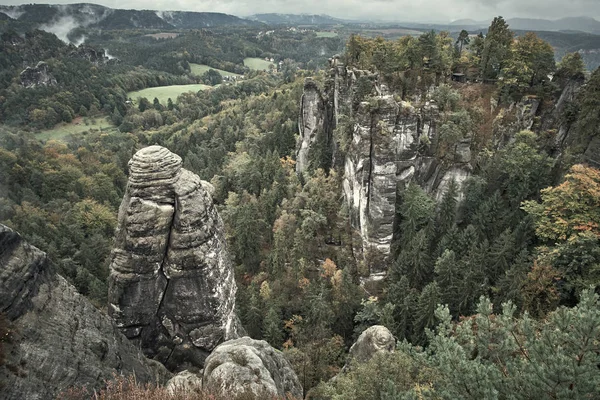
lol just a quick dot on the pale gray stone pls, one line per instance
(247, 365)
(58, 338)
(171, 284)
(375, 339)
(37, 76)
(185, 383)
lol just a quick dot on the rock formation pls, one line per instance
(96, 57)
(171, 284)
(375, 339)
(56, 338)
(315, 122)
(247, 365)
(37, 76)
(387, 147)
(186, 383)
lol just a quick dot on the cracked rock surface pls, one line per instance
(246, 365)
(57, 338)
(171, 284)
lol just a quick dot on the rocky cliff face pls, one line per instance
(56, 339)
(314, 123)
(171, 284)
(387, 146)
(37, 76)
(96, 57)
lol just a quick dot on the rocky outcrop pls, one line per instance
(171, 284)
(314, 123)
(37, 76)
(96, 57)
(375, 339)
(56, 338)
(252, 366)
(388, 144)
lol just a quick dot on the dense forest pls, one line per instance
(491, 291)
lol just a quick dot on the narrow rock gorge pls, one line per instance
(171, 284)
(54, 337)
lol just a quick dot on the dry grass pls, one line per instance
(122, 388)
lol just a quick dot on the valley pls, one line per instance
(197, 205)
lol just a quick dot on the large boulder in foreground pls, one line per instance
(171, 284)
(376, 339)
(252, 366)
(55, 337)
(185, 383)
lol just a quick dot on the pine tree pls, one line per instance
(449, 276)
(272, 329)
(496, 49)
(446, 216)
(415, 261)
(404, 299)
(501, 255)
(253, 318)
(425, 311)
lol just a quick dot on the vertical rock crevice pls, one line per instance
(171, 284)
(386, 151)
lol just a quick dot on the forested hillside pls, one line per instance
(487, 277)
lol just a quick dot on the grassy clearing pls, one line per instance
(199, 69)
(163, 93)
(327, 34)
(78, 125)
(258, 64)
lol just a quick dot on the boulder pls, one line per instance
(376, 339)
(56, 338)
(184, 383)
(171, 283)
(252, 366)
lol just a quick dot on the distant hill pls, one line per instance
(4, 17)
(193, 20)
(296, 19)
(570, 24)
(581, 24)
(60, 18)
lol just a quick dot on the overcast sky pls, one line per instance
(395, 10)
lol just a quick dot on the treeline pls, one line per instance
(519, 65)
(221, 48)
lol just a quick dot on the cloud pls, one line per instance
(390, 10)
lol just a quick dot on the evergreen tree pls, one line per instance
(156, 104)
(496, 49)
(462, 40)
(425, 311)
(449, 276)
(446, 215)
(272, 330)
(404, 300)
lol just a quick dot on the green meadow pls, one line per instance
(79, 125)
(163, 93)
(199, 69)
(257, 63)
